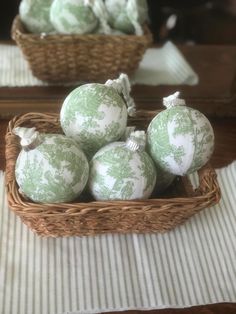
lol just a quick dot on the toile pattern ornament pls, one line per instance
(127, 16)
(73, 17)
(96, 114)
(35, 15)
(50, 168)
(180, 139)
(122, 170)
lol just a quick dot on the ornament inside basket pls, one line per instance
(85, 216)
(64, 58)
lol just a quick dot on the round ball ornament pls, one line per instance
(127, 15)
(180, 138)
(122, 170)
(35, 15)
(99, 9)
(50, 167)
(96, 114)
(72, 17)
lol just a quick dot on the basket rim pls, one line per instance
(207, 194)
(18, 30)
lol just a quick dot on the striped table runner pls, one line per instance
(191, 265)
(167, 61)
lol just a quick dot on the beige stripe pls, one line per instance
(147, 264)
(125, 293)
(133, 270)
(180, 265)
(154, 269)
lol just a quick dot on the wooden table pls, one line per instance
(214, 95)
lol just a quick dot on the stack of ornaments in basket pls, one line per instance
(101, 155)
(115, 17)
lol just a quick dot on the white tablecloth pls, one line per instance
(165, 65)
(191, 265)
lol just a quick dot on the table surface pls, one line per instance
(214, 95)
(224, 128)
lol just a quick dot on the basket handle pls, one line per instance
(11, 151)
(208, 184)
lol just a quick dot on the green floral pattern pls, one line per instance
(56, 171)
(118, 173)
(94, 115)
(35, 15)
(71, 17)
(180, 140)
(121, 17)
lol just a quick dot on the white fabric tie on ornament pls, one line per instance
(123, 87)
(173, 100)
(159, 66)
(191, 265)
(29, 137)
(99, 9)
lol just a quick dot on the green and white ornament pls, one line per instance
(122, 170)
(127, 16)
(50, 168)
(35, 15)
(101, 13)
(73, 17)
(180, 139)
(96, 114)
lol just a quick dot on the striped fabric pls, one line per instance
(14, 70)
(174, 69)
(191, 265)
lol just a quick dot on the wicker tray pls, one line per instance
(88, 217)
(91, 57)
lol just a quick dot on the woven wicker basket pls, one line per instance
(91, 57)
(88, 217)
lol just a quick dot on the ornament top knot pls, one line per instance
(123, 87)
(136, 141)
(30, 138)
(173, 100)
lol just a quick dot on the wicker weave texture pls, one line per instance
(91, 57)
(88, 217)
